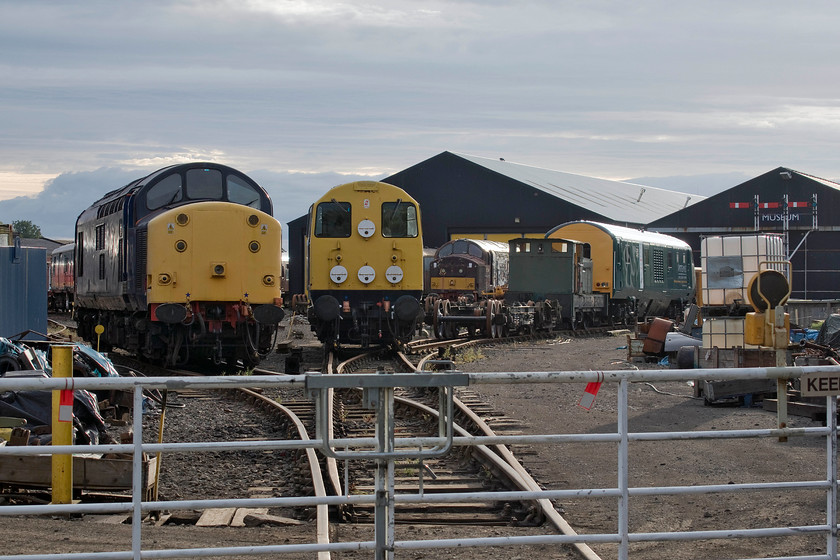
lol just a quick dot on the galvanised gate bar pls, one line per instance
(383, 546)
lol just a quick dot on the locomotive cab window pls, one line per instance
(399, 219)
(332, 219)
(166, 191)
(462, 247)
(241, 192)
(204, 184)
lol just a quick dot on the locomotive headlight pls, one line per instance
(268, 280)
(338, 274)
(218, 269)
(254, 246)
(394, 274)
(366, 274)
(180, 245)
(366, 228)
(164, 279)
(182, 219)
(253, 220)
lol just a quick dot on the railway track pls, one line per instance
(464, 470)
(464, 340)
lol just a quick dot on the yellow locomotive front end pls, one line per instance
(213, 275)
(365, 264)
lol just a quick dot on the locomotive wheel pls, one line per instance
(435, 319)
(488, 323)
(498, 319)
(430, 303)
(449, 329)
(442, 329)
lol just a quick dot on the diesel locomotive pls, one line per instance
(462, 276)
(184, 263)
(580, 274)
(643, 273)
(364, 265)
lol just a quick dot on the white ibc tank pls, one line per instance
(728, 263)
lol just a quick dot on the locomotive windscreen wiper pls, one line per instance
(396, 208)
(334, 201)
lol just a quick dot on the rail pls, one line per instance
(622, 537)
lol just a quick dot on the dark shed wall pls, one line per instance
(297, 252)
(717, 214)
(815, 261)
(457, 196)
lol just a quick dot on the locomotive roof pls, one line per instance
(629, 234)
(64, 248)
(138, 184)
(367, 186)
(615, 200)
(483, 244)
(113, 200)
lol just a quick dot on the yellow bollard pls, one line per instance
(62, 426)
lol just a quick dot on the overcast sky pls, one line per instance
(303, 94)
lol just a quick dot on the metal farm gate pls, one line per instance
(390, 448)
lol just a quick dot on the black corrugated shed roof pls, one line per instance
(463, 193)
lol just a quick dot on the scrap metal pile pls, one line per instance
(26, 416)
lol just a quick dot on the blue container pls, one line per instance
(23, 291)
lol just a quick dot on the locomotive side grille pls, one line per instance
(658, 266)
(140, 260)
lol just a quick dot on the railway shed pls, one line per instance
(798, 206)
(497, 199)
(470, 196)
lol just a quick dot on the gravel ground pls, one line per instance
(542, 409)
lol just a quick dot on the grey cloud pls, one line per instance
(599, 88)
(56, 208)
